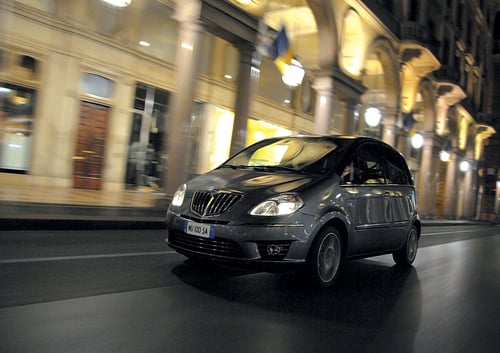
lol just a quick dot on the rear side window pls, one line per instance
(397, 171)
(366, 167)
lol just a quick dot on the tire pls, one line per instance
(406, 255)
(325, 257)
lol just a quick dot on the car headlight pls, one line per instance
(281, 205)
(179, 196)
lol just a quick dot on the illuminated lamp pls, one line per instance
(417, 141)
(464, 166)
(118, 3)
(294, 74)
(444, 156)
(373, 116)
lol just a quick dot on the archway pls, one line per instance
(381, 77)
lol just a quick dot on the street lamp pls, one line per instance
(417, 141)
(293, 74)
(373, 116)
(464, 166)
(444, 156)
(118, 3)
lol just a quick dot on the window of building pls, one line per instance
(146, 161)
(16, 122)
(211, 134)
(259, 130)
(96, 85)
(413, 14)
(25, 67)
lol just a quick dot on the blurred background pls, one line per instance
(137, 96)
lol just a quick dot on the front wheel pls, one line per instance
(325, 257)
(406, 255)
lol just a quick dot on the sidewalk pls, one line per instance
(30, 207)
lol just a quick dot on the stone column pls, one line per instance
(351, 116)
(424, 189)
(450, 197)
(323, 84)
(248, 74)
(187, 13)
(470, 188)
(403, 143)
(389, 124)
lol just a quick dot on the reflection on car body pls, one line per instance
(311, 201)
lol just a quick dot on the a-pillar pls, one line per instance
(248, 75)
(450, 193)
(425, 191)
(323, 84)
(187, 13)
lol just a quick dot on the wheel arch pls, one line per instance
(338, 224)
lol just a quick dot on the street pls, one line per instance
(126, 291)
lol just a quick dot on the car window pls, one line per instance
(365, 167)
(396, 167)
(295, 153)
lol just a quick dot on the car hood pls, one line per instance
(250, 181)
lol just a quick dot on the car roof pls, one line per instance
(332, 137)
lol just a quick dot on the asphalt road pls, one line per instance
(126, 291)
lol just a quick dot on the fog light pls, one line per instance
(273, 249)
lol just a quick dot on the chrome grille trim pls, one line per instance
(213, 203)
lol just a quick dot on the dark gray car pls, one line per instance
(303, 200)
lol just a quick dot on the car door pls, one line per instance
(399, 184)
(363, 183)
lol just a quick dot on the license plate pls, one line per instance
(199, 229)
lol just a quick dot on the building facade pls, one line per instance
(144, 96)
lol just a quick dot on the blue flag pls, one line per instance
(280, 47)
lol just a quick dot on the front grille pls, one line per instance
(213, 203)
(205, 246)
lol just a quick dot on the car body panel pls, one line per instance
(374, 217)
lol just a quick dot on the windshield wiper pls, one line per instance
(235, 166)
(270, 168)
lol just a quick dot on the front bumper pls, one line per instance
(246, 244)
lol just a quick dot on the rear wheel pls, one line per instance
(325, 257)
(406, 255)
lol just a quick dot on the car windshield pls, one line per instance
(289, 153)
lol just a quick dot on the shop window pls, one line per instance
(210, 136)
(146, 161)
(96, 85)
(16, 121)
(259, 130)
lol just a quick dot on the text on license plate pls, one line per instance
(199, 229)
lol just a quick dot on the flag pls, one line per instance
(280, 51)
